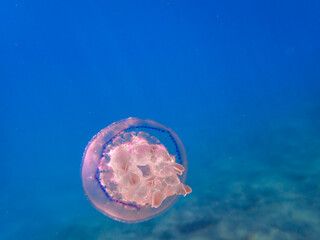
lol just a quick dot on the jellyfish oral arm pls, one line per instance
(144, 173)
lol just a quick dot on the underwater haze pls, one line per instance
(237, 81)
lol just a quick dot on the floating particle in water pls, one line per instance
(134, 169)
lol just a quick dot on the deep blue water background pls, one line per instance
(238, 81)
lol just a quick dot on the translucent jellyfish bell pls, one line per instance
(134, 169)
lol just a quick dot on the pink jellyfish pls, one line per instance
(134, 169)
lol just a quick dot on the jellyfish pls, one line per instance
(134, 169)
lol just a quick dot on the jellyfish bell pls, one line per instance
(134, 169)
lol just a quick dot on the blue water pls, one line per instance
(238, 81)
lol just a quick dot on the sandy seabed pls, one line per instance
(273, 192)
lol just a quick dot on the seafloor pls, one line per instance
(268, 187)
